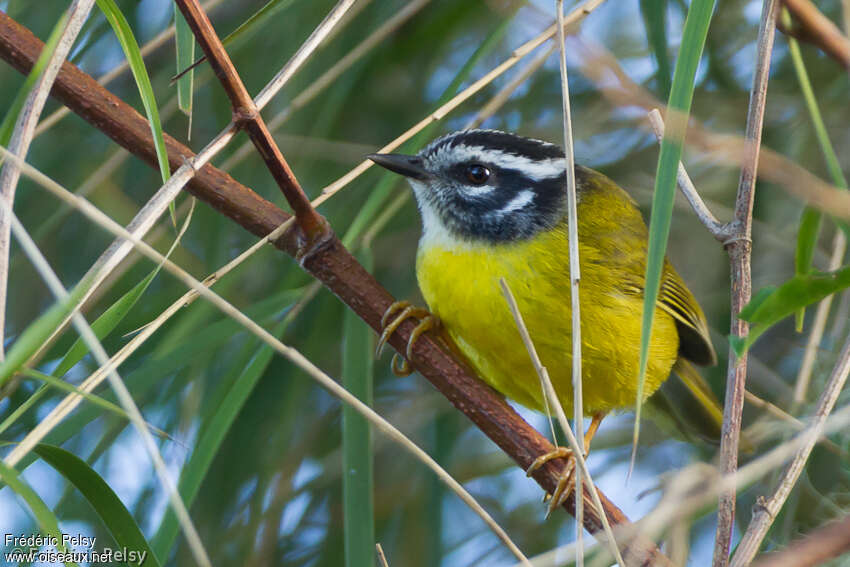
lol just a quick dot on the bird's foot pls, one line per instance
(427, 321)
(566, 482)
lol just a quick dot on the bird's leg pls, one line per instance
(427, 321)
(566, 482)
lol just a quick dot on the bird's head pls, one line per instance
(485, 185)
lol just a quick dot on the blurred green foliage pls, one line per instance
(266, 473)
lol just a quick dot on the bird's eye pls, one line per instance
(477, 174)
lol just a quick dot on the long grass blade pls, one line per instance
(185, 51)
(810, 220)
(140, 73)
(679, 105)
(11, 117)
(214, 430)
(654, 14)
(105, 502)
(44, 516)
(357, 458)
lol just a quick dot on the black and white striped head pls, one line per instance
(485, 185)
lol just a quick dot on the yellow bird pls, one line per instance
(493, 205)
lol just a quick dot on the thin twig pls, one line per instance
(314, 227)
(693, 489)
(686, 186)
(739, 247)
(333, 265)
(818, 547)
(327, 78)
(23, 135)
(576, 447)
(188, 167)
(575, 272)
(575, 16)
(382, 559)
(104, 221)
(813, 27)
(148, 48)
(766, 509)
(118, 386)
(501, 97)
(717, 148)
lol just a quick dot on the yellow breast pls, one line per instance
(460, 282)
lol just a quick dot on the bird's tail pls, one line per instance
(687, 407)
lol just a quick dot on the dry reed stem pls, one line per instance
(327, 78)
(314, 228)
(125, 399)
(816, 548)
(575, 278)
(158, 41)
(723, 148)
(766, 509)
(333, 266)
(293, 355)
(22, 136)
(813, 27)
(575, 446)
(739, 247)
(501, 97)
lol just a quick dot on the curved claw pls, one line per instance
(557, 453)
(566, 485)
(395, 306)
(389, 329)
(400, 366)
(565, 482)
(427, 323)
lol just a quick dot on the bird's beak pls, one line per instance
(409, 166)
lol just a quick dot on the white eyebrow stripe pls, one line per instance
(537, 170)
(521, 199)
(478, 190)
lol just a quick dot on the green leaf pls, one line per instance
(773, 304)
(137, 65)
(8, 124)
(216, 426)
(104, 324)
(807, 239)
(357, 455)
(810, 220)
(39, 330)
(245, 30)
(103, 499)
(654, 14)
(185, 48)
(679, 104)
(44, 516)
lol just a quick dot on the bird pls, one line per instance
(493, 205)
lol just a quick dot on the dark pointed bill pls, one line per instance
(409, 166)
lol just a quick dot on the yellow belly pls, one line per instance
(460, 283)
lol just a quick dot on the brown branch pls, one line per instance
(334, 266)
(811, 26)
(739, 247)
(823, 544)
(246, 115)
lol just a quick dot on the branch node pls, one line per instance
(310, 245)
(733, 238)
(760, 507)
(245, 114)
